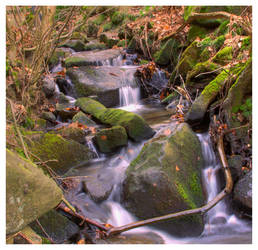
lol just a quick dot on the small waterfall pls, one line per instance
(92, 147)
(219, 220)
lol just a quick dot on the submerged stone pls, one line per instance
(166, 178)
(27, 198)
(80, 117)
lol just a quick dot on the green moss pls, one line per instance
(108, 140)
(107, 26)
(212, 89)
(184, 194)
(74, 61)
(93, 46)
(223, 28)
(117, 18)
(188, 11)
(218, 42)
(55, 57)
(121, 43)
(246, 43)
(170, 97)
(100, 19)
(167, 53)
(90, 106)
(224, 56)
(205, 55)
(196, 31)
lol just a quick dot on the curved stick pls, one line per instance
(200, 210)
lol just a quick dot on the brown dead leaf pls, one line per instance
(103, 137)
(177, 168)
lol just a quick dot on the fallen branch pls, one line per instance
(200, 210)
(83, 219)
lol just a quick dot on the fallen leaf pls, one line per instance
(177, 168)
(103, 137)
(167, 132)
(81, 241)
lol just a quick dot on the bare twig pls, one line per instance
(210, 72)
(44, 231)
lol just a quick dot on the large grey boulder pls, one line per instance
(29, 192)
(165, 178)
(243, 191)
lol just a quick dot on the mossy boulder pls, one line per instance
(95, 46)
(188, 60)
(92, 29)
(29, 192)
(81, 118)
(76, 45)
(243, 191)
(59, 53)
(110, 139)
(48, 116)
(136, 128)
(57, 226)
(224, 56)
(167, 53)
(209, 93)
(72, 133)
(196, 79)
(200, 105)
(95, 58)
(49, 146)
(165, 178)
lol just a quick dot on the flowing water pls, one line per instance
(221, 225)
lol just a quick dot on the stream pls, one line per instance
(108, 171)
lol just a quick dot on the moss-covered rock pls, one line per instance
(95, 58)
(223, 28)
(80, 117)
(218, 42)
(200, 105)
(72, 133)
(201, 81)
(27, 198)
(168, 53)
(110, 139)
(49, 146)
(224, 56)
(92, 29)
(57, 226)
(76, 45)
(165, 178)
(48, 116)
(188, 60)
(56, 57)
(90, 106)
(136, 128)
(196, 31)
(95, 46)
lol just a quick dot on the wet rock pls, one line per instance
(48, 86)
(98, 189)
(27, 198)
(235, 165)
(104, 82)
(243, 191)
(165, 178)
(73, 133)
(76, 45)
(88, 58)
(110, 139)
(139, 238)
(66, 111)
(57, 226)
(80, 117)
(29, 237)
(49, 146)
(136, 127)
(48, 116)
(62, 99)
